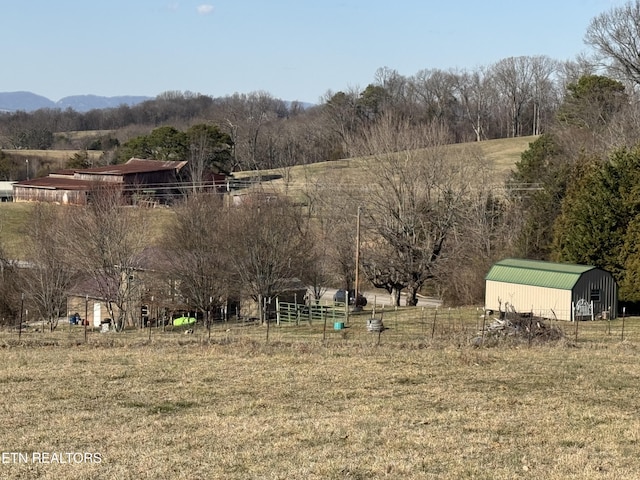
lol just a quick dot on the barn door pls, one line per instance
(97, 314)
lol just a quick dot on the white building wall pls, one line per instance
(542, 301)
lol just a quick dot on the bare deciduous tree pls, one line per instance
(246, 117)
(614, 35)
(317, 274)
(209, 152)
(483, 233)
(270, 245)
(108, 238)
(476, 96)
(544, 94)
(412, 204)
(197, 251)
(340, 115)
(514, 82)
(52, 270)
(341, 241)
(332, 205)
(434, 91)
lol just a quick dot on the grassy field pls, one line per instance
(13, 218)
(501, 154)
(12, 223)
(56, 155)
(53, 155)
(176, 406)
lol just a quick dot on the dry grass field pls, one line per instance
(501, 154)
(13, 218)
(53, 155)
(234, 406)
(12, 223)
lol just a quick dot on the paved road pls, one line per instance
(381, 297)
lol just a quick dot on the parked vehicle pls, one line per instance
(340, 297)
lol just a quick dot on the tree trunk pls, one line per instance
(395, 297)
(261, 308)
(412, 296)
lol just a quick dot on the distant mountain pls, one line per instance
(28, 102)
(84, 103)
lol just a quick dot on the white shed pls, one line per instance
(6, 191)
(551, 290)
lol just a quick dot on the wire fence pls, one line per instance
(419, 326)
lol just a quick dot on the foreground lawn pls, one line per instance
(180, 407)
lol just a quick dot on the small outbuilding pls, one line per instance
(6, 191)
(551, 290)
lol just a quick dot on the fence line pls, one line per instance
(460, 326)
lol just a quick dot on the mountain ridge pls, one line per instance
(29, 102)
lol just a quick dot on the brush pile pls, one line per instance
(519, 328)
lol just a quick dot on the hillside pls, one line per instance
(502, 155)
(55, 156)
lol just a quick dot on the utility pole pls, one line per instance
(86, 316)
(21, 310)
(357, 261)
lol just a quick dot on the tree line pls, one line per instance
(516, 96)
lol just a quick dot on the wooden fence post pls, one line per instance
(324, 330)
(433, 327)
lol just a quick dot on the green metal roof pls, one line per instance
(562, 276)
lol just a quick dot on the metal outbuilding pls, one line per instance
(551, 290)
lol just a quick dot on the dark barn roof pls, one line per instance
(135, 171)
(135, 165)
(67, 179)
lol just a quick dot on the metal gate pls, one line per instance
(295, 313)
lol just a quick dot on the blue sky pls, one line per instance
(294, 50)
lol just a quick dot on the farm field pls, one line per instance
(53, 155)
(501, 154)
(13, 217)
(153, 404)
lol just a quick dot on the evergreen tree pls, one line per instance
(601, 218)
(538, 185)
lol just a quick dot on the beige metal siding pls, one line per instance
(545, 302)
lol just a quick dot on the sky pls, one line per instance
(292, 49)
